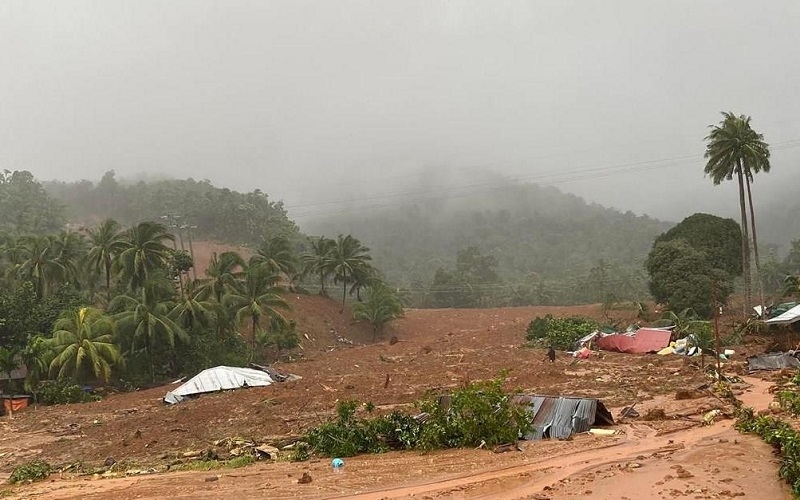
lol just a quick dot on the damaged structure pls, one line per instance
(223, 378)
(774, 361)
(643, 340)
(559, 417)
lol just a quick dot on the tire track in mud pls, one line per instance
(521, 481)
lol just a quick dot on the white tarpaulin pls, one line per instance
(219, 379)
(789, 316)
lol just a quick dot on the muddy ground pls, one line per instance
(674, 456)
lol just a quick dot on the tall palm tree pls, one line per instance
(258, 295)
(106, 243)
(277, 255)
(223, 272)
(37, 262)
(734, 148)
(347, 258)
(145, 318)
(83, 344)
(143, 251)
(318, 261)
(69, 248)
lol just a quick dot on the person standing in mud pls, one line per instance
(551, 354)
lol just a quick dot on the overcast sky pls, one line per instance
(606, 99)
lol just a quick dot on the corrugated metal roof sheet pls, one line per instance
(773, 361)
(789, 316)
(561, 416)
(219, 378)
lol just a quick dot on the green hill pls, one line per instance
(550, 247)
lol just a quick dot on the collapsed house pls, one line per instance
(559, 417)
(222, 378)
(786, 317)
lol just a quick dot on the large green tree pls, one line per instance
(720, 240)
(83, 345)
(682, 278)
(735, 149)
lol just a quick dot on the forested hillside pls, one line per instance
(544, 246)
(213, 213)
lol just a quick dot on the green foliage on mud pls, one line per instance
(782, 436)
(561, 333)
(479, 414)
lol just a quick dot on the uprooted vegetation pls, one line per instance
(561, 333)
(481, 414)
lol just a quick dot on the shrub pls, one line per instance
(30, 471)
(481, 413)
(64, 391)
(561, 333)
(790, 401)
(781, 436)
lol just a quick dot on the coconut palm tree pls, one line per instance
(734, 148)
(143, 251)
(191, 312)
(380, 308)
(69, 248)
(37, 262)
(318, 261)
(106, 243)
(223, 272)
(256, 296)
(277, 255)
(347, 258)
(145, 319)
(83, 344)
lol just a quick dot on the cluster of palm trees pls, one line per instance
(735, 149)
(344, 260)
(140, 311)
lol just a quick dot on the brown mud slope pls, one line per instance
(203, 250)
(437, 350)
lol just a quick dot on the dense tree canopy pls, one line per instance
(210, 212)
(720, 240)
(682, 277)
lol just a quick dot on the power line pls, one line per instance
(545, 179)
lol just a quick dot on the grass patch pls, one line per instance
(206, 465)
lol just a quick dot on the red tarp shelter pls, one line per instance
(645, 340)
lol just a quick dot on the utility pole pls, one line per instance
(191, 250)
(716, 327)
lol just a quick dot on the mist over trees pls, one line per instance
(214, 213)
(546, 247)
